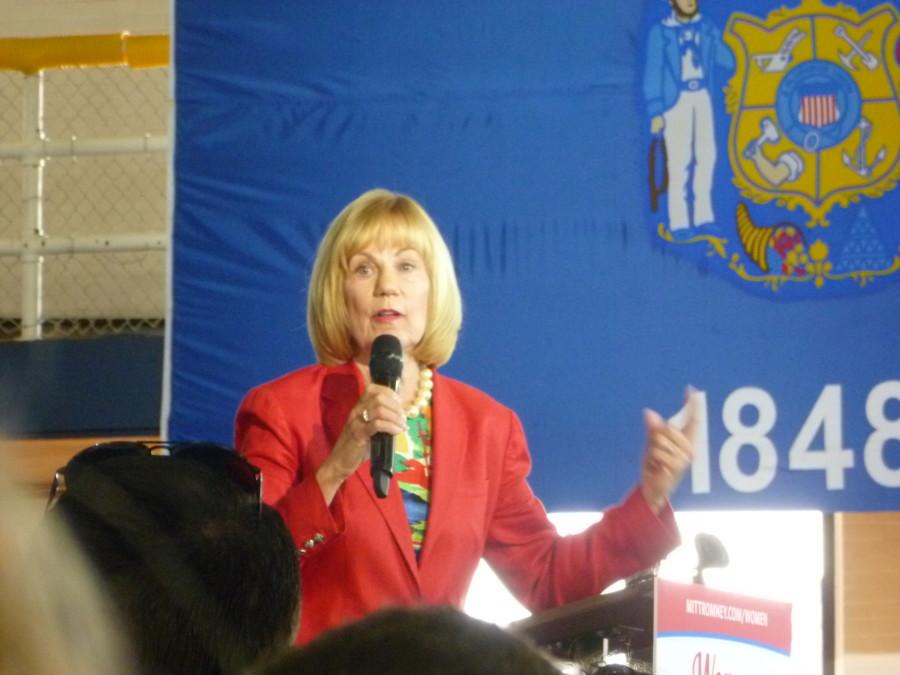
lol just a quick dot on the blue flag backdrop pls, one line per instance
(634, 203)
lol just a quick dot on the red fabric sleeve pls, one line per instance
(263, 437)
(543, 569)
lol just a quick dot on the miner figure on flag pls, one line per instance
(683, 51)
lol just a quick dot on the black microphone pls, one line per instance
(385, 367)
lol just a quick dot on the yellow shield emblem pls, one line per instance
(814, 106)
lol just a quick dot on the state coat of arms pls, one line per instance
(806, 202)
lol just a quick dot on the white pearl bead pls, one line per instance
(423, 392)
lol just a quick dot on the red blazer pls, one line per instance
(357, 556)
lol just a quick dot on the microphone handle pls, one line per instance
(382, 463)
(381, 453)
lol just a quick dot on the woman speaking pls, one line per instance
(459, 459)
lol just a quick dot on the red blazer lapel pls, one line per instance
(446, 460)
(394, 513)
(340, 391)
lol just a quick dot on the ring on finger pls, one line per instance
(365, 415)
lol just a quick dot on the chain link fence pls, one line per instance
(103, 224)
(11, 93)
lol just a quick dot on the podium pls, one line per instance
(662, 627)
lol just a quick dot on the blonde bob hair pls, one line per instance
(387, 218)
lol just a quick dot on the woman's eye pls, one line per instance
(362, 270)
(407, 266)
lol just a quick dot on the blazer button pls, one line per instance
(319, 537)
(308, 544)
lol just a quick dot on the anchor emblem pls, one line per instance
(868, 59)
(858, 163)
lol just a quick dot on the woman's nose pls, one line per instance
(387, 283)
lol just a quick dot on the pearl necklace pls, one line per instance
(423, 392)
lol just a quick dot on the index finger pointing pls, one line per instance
(692, 412)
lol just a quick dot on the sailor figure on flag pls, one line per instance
(683, 51)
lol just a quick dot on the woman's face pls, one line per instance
(386, 290)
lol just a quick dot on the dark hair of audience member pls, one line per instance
(421, 640)
(206, 584)
(54, 619)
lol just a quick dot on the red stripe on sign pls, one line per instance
(690, 608)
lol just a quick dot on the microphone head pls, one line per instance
(386, 360)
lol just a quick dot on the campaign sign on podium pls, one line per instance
(703, 631)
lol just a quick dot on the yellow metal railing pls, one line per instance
(30, 55)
